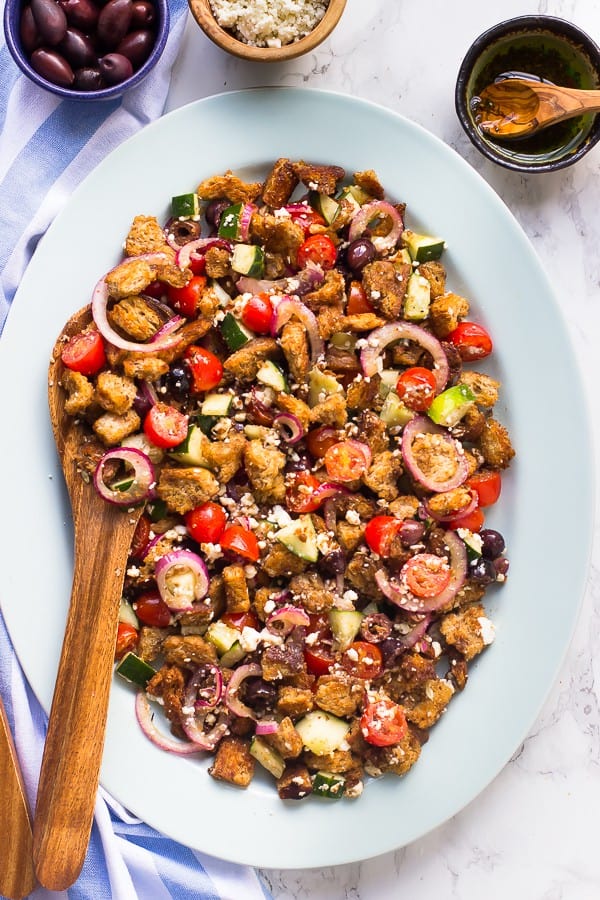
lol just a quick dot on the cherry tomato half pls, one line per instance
(300, 494)
(416, 387)
(357, 300)
(84, 353)
(206, 523)
(471, 340)
(319, 440)
(165, 426)
(383, 723)
(151, 609)
(487, 484)
(363, 660)
(241, 620)
(258, 313)
(206, 368)
(239, 540)
(380, 532)
(426, 574)
(318, 653)
(185, 299)
(473, 521)
(347, 461)
(306, 217)
(318, 248)
(126, 639)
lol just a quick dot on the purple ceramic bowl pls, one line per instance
(12, 17)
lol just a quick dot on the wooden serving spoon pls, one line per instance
(519, 107)
(74, 743)
(17, 878)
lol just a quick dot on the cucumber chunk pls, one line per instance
(229, 223)
(321, 732)
(271, 375)
(185, 206)
(394, 412)
(191, 451)
(423, 247)
(321, 385)
(233, 656)
(345, 625)
(300, 537)
(216, 405)
(449, 407)
(269, 758)
(222, 636)
(234, 333)
(329, 785)
(127, 614)
(324, 205)
(248, 259)
(134, 669)
(417, 298)
(389, 380)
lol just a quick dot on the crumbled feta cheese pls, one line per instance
(249, 639)
(488, 631)
(269, 23)
(352, 517)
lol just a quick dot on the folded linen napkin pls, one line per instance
(47, 145)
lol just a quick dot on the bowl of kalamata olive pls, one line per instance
(86, 49)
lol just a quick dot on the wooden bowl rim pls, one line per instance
(202, 13)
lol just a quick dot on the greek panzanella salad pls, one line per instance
(280, 374)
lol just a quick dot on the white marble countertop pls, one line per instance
(533, 834)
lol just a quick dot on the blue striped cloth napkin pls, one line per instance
(47, 146)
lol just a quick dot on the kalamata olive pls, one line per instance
(411, 532)
(82, 14)
(392, 649)
(114, 21)
(143, 14)
(136, 46)
(482, 571)
(28, 32)
(115, 68)
(182, 231)
(492, 543)
(77, 49)
(359, 253)
(53, 66)
(178, 380)
(259, 694)
(375, 627)
(50, 21)
(89, 79)
(332, 563)
(501, 565)
(214, 211)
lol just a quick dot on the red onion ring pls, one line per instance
(370, 211)
(471, 506)
(302, 282)
(286, 618)
(415, 634)
(266, 726)
(179, 601)
(192, 692)
(143, 476)
(291, 306)
(403, 598)
(197, 249)
(145, 716)
(251, 670)
(146, 398)
(204, 740)
(397, 331)
(246, 213)
(290, 427)
(422, 425)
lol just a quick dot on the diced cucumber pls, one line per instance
(205, 423)
(234, 333)
(345, 625)
(134, 669)
(233, 656)
(271, 375)
(185, 206)
(329, 785)
(423, 247)
(403, 256)
(248, 259)
(157, 510)
(449, 407)
(269, 758)
(343, 341)
(122, 484)
(222, 636)
(472, 542)
(191, 451)
(220, 293)
(127, 614)
(229, 223)
(321, 732)
(389, 380)
(417, 298)
(217, 405)
(324, 205)
(321, 385)
(356, 193)
(300, 537)
(394, 412)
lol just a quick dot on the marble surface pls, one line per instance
(533, 834)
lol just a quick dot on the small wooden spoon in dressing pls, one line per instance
(517, 107)
(75, 739)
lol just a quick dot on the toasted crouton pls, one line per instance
(233, 762)
(469, 630)
(332, 411)
(286, 739)
(445, 313)
(495, 445)
(130, 278)
(338, 695)
(135, 317)
(264, 467)
(383, 475)
(112, 429)
(485, 388)
(280, 184)
(370, 183)
(294, 344)
(319, 178)
(147, 368)
(435, 274)
(429, 706)
(183, 489)
(80, 392)
(280, 561)
(309, 589)
(236, 589)
(146, 236)
(225, 457)
(228, 187)
(294, 701)
(295, 783)
(188, 651)
(244, 363)
(114, 393)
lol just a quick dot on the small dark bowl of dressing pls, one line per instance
(541, 47)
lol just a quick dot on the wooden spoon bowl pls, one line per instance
(74, 743)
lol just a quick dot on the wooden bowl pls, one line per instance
(204, 16)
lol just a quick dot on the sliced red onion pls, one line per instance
(246, 213)
(424, 425)
(291, 306)
(198, 248)
(145, 399)
(290, 426)
(266, 726)
(419, 631)
(401, 596)
(182, 579)
(251, 670)
(302, 282)
(162, 340)
(285, 619)
(145, 717)
(329, 515)
(193, 725)
(169, 327)
(329, 489)
(471, 506)
(143, 479)
(370, 211)
(379, 339)
(196, 690)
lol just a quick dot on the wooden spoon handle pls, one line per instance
(17, 878)
(74, 743)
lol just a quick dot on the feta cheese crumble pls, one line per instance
(269, 23)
